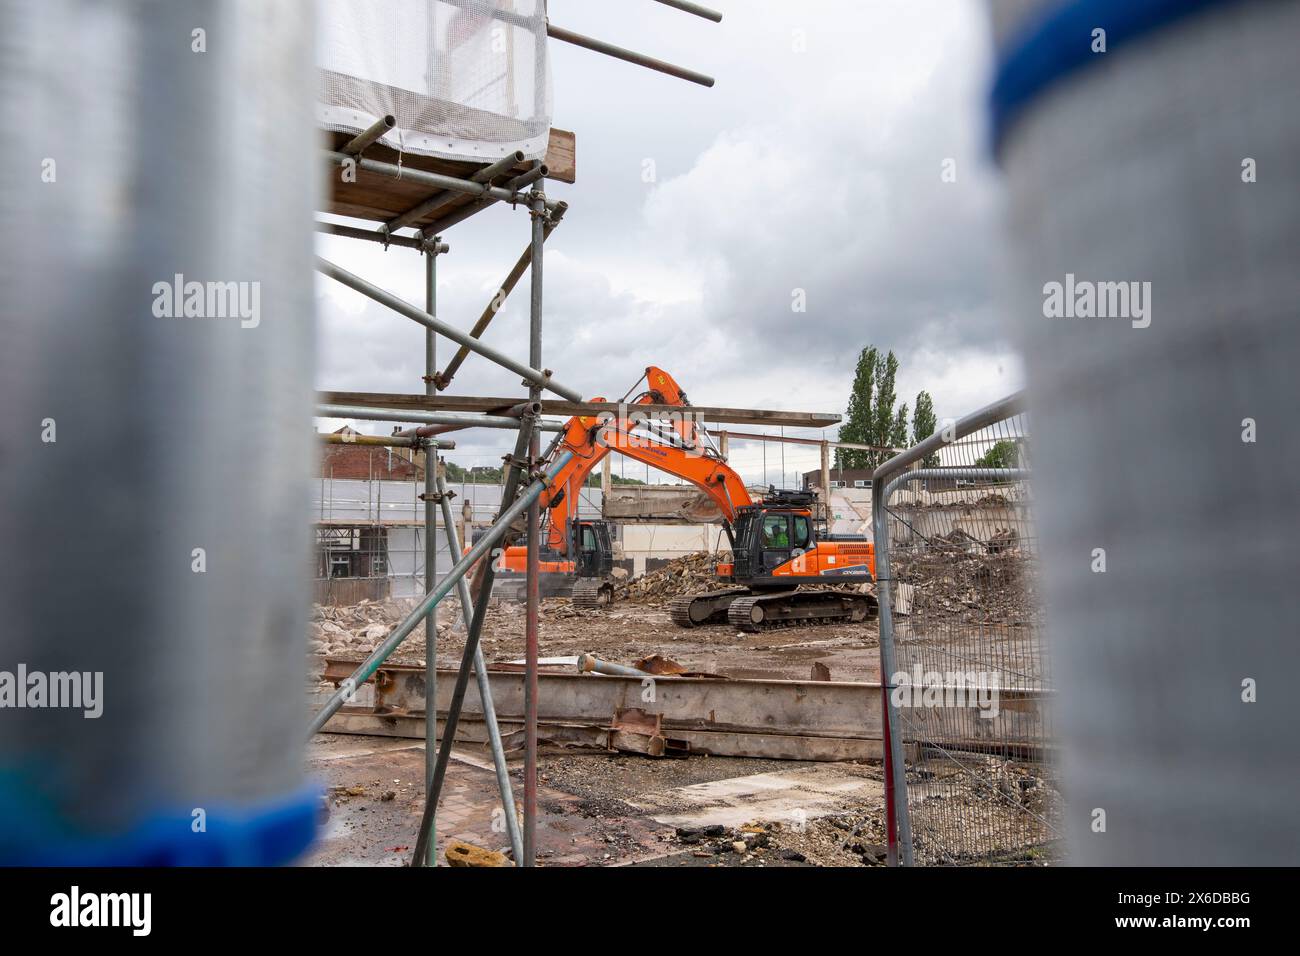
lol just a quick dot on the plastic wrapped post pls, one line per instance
(464, 79)
(1166, 454)
(156, 436)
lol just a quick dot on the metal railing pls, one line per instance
(970, 771)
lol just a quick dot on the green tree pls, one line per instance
(1004, 454)
(872, 418)
(883, 410)
(477, 475)
(593, 480)
(858, 423)
(923, 425)
(898, 434)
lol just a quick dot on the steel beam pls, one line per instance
(597, 734)
(428, 418)
(791, 440)
(764, 717)
(567, 409)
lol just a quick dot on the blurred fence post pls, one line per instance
(162, 182)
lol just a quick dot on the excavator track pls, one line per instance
(515, 587)
(592, 592)
(775, 609)
(509, 590)
(696, 610)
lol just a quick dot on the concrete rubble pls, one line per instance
(970, 586)
(356, 629)
(684, 575)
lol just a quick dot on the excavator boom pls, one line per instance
(590, 438)
(775, 544)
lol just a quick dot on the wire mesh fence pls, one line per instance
(971, 681)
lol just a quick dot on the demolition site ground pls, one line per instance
(606, 808)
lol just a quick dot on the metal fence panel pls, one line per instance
(961, 639)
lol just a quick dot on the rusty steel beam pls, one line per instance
(686, 706)
(567, 409)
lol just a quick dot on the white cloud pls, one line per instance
(817, 171)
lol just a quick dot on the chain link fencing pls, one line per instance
(962, 646)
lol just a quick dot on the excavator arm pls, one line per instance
(694, 464)
(776, 551)
(677, 449)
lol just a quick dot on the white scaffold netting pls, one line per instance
(465, 79)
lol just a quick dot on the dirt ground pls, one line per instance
(611, 809)
(602, 810)
(622, 633)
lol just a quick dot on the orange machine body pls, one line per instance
(680, 448)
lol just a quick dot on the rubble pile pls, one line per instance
(953, 580)
(685, 575)
(355, 630)
(956, 541)
(848, 838)
(1010, 796)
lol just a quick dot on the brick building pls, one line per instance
(368, 462)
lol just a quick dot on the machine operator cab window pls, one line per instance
(595, 552)
(782, 532)
(802, 537)
(781, 535)
(776, 532)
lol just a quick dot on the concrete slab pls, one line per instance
(376, 796)
(789, 797)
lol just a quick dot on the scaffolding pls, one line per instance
(527, 471)
(430, 198)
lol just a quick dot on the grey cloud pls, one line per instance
(818, 171)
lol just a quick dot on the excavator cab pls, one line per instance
(767, 538)
(770, 535)
(592, 548)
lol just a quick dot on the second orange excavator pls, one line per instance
(779, 547)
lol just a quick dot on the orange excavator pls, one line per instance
(778, 545)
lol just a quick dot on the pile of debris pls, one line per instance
(685, 575)
(355, 630)
(847, 838)
(1019, 804)
(975, 586)
(956, 541)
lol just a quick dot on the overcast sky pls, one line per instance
(817, 170)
